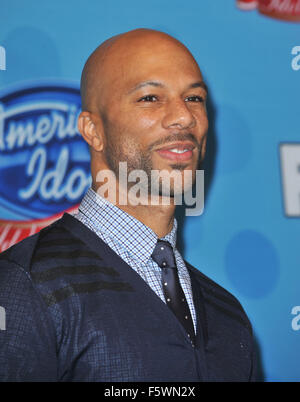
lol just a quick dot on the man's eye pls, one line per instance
(194, 99)
(148, 98)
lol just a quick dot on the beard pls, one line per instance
(138, 159)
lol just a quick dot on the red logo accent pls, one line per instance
(11, 232)
(288, 10)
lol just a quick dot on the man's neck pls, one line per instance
(159, 218)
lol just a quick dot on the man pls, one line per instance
(104, 295)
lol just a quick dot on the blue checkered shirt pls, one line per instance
(133, 241)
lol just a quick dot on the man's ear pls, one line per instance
(90, 127)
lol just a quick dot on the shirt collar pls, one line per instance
(130, 233)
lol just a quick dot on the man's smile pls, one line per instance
(179, 152)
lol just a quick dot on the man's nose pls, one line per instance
(178, 115)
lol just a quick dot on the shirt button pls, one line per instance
(164, 263)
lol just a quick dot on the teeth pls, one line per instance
(178, 151)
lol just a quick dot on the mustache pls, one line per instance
(175, 138)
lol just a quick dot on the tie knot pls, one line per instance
(163, 255)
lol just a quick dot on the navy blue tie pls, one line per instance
(163, 255)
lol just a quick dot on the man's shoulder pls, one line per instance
(218, 298)
(208, 284)
(23, 253)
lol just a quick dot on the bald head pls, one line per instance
(117, 56)
(142, 90)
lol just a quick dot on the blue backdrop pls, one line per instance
(248, 239)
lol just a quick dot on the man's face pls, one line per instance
(154, 111)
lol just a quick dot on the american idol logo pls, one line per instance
(44, 162)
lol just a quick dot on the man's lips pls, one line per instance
(185, 151)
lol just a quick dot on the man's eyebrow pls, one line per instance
(144, 84)
(199, 84)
